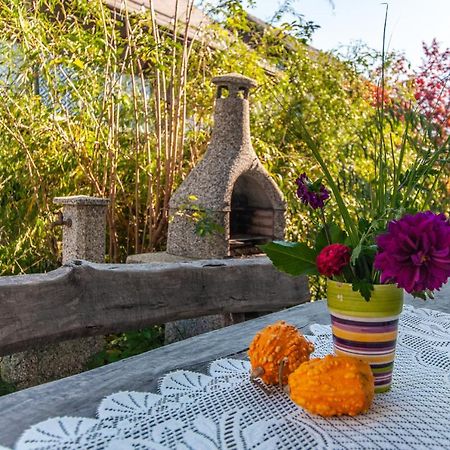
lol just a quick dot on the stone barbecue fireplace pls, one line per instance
(230, 183)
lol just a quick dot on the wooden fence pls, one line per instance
(87, 299)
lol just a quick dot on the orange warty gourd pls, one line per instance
(278, 349)
(333, 386)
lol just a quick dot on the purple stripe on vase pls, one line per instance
(386, 381)
(351, 336)
(364, 323)
(387, 376)
(386, 346)
(365, 329)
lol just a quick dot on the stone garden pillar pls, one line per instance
(84, 221)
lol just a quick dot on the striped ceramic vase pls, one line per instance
(366, 330)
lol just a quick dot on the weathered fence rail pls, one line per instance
(87, 299)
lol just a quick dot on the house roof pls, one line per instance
(165, 11)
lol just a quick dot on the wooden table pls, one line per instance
(80, 395)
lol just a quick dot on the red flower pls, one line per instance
(332, 259)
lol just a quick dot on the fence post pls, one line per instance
(84, 223)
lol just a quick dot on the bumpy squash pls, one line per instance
(277, 351)
(333, 386)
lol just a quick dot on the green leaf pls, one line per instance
(363, 225)
(424, 295)
(337, 236)
(419, 294)
(315, 186)
(291, 257)
(364, 287)
(355, 253)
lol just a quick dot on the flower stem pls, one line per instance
(325, 226)
(349, 224)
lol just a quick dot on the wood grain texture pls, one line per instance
(87, 299)
(80, 395)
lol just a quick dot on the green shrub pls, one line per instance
(122, 109)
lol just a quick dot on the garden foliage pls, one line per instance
(108, 104)
(103, 103)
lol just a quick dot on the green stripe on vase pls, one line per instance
(386, 300)
(383, 370)
(382, 389)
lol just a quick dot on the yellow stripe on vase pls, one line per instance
(364, 337)
(371, 359)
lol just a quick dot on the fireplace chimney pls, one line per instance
(230, 183)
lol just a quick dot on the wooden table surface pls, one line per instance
(81, 394)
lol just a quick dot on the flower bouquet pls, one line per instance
(369, 257)
(412, 252)
(366, 276)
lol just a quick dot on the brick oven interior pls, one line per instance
(251, 217)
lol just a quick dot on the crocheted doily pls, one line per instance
(225, 410)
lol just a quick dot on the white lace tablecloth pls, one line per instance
(224, 410)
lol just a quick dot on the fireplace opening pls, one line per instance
(251, 218)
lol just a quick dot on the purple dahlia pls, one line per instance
(312, 194)
(415, 252)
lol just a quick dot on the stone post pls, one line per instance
(84, 221)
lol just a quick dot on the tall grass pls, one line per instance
(95, 101)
